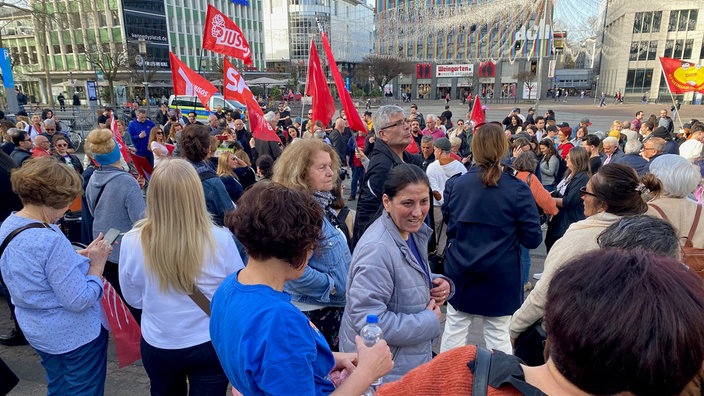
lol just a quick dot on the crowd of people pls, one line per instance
(242, 263)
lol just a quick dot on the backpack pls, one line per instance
(693, 257)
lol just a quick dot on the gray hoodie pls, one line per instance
(119, 206)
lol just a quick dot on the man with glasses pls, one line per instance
(23, 145)
(304, 125)
(393, 135)
(653, 148)
(50, 131)
(192, 119)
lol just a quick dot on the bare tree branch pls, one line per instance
(381, 68)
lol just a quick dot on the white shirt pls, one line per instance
(172, 320)
(439, 174)
(691, 149)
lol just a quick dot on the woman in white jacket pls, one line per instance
(174, 252)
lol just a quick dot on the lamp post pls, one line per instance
(143, 60)
(73, 86)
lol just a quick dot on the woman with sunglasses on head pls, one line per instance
(62, 154)
(157, 145)
(610, 194)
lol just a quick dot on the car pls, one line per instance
(188, 104)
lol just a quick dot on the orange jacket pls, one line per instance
(541, 195)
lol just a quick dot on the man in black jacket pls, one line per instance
(393, 135)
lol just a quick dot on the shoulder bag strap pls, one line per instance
(201, 300)
(14, 233)
(697, 215)
(482, 365)
(663, 215)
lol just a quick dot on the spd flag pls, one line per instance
(477, 116)
(682, 76)
(353, 118)
(222, 35)
(188, 82)
(317, 87)
(235, 88)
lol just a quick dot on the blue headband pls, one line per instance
(108, 158)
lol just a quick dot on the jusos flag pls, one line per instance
(235, 88)
(222, 35)
(477, 116)
(188, 82)
(682, 76)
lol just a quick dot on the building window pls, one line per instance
(646, 22)
(638, 80)
(634, 51)
(682, 20)
(687, 53)
(668, 48)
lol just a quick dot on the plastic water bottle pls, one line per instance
(371, 333)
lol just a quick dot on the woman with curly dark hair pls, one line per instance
(265, 344)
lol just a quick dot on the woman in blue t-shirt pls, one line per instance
(265, 344)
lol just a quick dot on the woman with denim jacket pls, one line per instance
(312, 165)
(390, 276)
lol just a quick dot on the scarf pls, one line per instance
(325, 199)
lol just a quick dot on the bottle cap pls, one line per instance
(372, 319)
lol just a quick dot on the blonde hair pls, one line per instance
(241, 154)
(100, 141)
(223, 166)
(291, 169)
(176, 232)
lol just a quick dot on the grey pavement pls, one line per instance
(132, 380)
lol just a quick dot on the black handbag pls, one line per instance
(530, 345)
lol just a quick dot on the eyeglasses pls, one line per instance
(400, 122)
(50, 130)
(62, 145)
(583, 191)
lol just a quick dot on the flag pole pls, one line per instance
(200, 61)
(672, 97)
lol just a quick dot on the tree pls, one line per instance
(110, 64)
(381, 68)
(527, 78)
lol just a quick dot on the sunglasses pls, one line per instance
(583, 192)
(160, 133)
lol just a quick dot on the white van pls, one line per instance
(188, 104)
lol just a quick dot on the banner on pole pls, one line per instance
(682, 76)
(222, 35)
(188, 82)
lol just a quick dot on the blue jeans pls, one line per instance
(525, 264)
(79, 372)
(357, 180)
(172, 371)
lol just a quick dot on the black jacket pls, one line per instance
(369, 204)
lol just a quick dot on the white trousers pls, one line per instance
(494, 328)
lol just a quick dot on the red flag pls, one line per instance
(317, 87)
(353, 118)
(235, 88)
(222, 35)
(682, 76)
(120, 142)
(188, 82)
(477, 116)
(125, 330)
